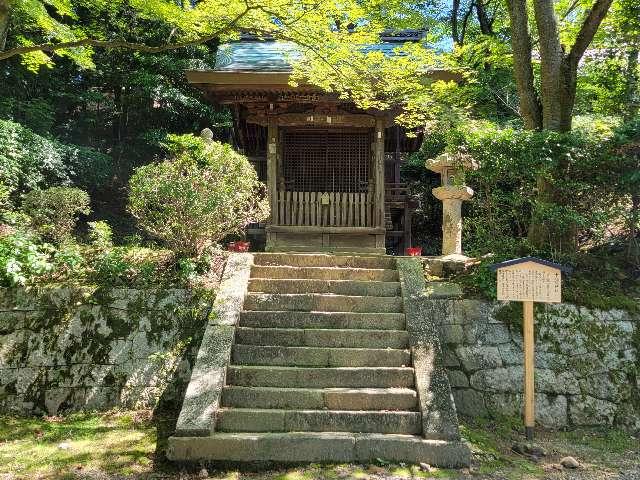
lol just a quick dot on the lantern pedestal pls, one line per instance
(452, 198)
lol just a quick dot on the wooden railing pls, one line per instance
(325, 209)
(395, 192)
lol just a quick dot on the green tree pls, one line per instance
(38, 29)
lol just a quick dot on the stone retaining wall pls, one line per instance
(587, 362)
(65, 349)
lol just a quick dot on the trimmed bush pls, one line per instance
(202, 193)
(54, 211)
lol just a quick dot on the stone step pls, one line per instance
(314, 302)
(319, 356)
(271, 420)
(325, 260)
(308, 377)
(320, 447)
(320, 337)
(289, 319)
(325, 273)
(338, 287)
(331, 250)
(320, 399)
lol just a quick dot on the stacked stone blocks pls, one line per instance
(586, 362)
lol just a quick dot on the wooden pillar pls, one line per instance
(378, 172)
(407, 240)
(529, 368)
(272, 167)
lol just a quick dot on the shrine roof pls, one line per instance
(252, 54)
(262, 66)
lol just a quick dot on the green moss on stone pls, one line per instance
(510, 314)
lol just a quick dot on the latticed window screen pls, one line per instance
(326, 160)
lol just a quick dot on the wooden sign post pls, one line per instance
(529, 280)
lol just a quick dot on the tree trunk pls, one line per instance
(454, 21)
(633, 252)
(530, 109)
(5, 17)
(486, 25)
(631, 87)
(556, 79)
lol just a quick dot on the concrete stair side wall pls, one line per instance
(439, 417)
(202, 398)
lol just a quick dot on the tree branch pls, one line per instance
(483, 19)
(140, 47)
(588, 30)
(5, 15)
(465, 21)
(571, 8)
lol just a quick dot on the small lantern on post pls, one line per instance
(207, 135)
(452, 193)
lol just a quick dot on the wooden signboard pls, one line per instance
(529, 280)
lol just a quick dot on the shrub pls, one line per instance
(100, 235)
(140, 267)
(5, 199)
(22, 258)
(203, 193)
(580, 165)
(594, 179)
(54, 211)
(29, 161)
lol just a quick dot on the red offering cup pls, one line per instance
(242, 246)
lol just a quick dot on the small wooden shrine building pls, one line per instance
(332, 170)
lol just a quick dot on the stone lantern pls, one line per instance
(451, 167)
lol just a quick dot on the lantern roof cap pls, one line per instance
(447, 160)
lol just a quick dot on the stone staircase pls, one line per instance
(321, 369)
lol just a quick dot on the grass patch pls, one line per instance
(491, 441)
(115, 443)
(605, 441)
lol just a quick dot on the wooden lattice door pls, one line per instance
(326, 178)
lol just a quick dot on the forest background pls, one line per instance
(548, 107)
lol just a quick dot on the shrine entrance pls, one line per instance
(325, 179)
(325, 173)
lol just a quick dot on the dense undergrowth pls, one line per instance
(596, 172)
(205, 192)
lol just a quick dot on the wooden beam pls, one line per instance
(327, 230)
(213, 77)
(378, 171)
(272, 167)
(317, 120)
(255, 78)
